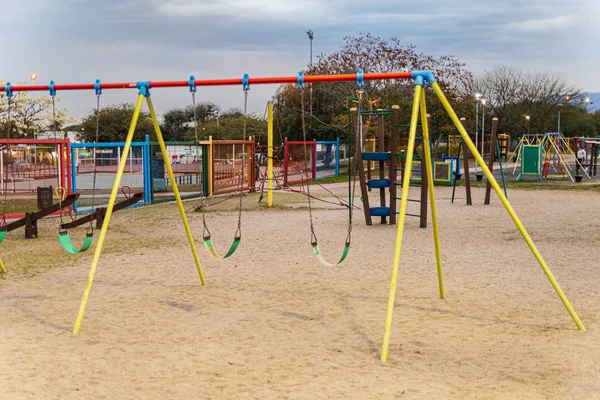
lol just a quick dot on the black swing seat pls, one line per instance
(30, 219)
(100, 212)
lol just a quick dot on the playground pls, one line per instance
(278, 316)
(272, 323)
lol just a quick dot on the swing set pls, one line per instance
(420, 78)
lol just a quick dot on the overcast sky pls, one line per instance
(78, 41)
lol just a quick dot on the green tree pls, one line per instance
(114, 123)
(178, 123)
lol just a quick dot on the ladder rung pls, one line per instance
(408, 215)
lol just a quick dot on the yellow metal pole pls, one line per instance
(401, 219)
(2, 267)
(270, 154)
(210, 165)
(163, 149)
(430, 170)
(508, 207)
(109, 210)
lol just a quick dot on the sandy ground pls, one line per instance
(274, 324)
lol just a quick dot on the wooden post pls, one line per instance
(31, 229)
(359, 165)
(381, 148)
(488, 186)
(466, 155)
(393, 164)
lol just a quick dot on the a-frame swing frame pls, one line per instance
(143, 93)
(419, 106)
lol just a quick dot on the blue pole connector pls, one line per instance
(97, 87)
(51, 89)
(301, 80)
(192, 84)
(245, 83)
(359, 78)
(9, 92)
(426, 76)
(144, 87)
(419, 81)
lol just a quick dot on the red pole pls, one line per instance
(214, 82)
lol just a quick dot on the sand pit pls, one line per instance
(274, 324)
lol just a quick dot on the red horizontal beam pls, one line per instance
(214, 82)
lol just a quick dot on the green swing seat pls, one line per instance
(67, 244)
(210, 248)
(325, 262)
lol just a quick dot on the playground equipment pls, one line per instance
(536, 154)
(26, 164)
(382, 183)
(494, 153)
(419, 107)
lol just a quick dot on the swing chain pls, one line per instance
(90, 229)
(206, 232)
(58, 156)
(5, 178)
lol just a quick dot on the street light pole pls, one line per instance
(310, 38)
(477, 97)
(482, 128)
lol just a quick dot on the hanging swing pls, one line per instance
(64, 236)
(237, 237)
(351, 187)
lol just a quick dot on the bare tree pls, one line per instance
(513, 94)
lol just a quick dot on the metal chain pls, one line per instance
(238, 232)
(58, 159)
(313, 236)
(5, 177)
(206, 232)
(90, 229)
(314, 240)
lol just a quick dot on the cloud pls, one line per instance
(548, 24)
(128, 40)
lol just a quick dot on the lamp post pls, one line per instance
(527, 117)
(310, 38)
(588, 101)
(33, 78)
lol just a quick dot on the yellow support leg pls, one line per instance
(163, 149)
(507, 205)
(436, 240)
(270, 154)
(401, 220)
(2, 267)
(109, 210)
